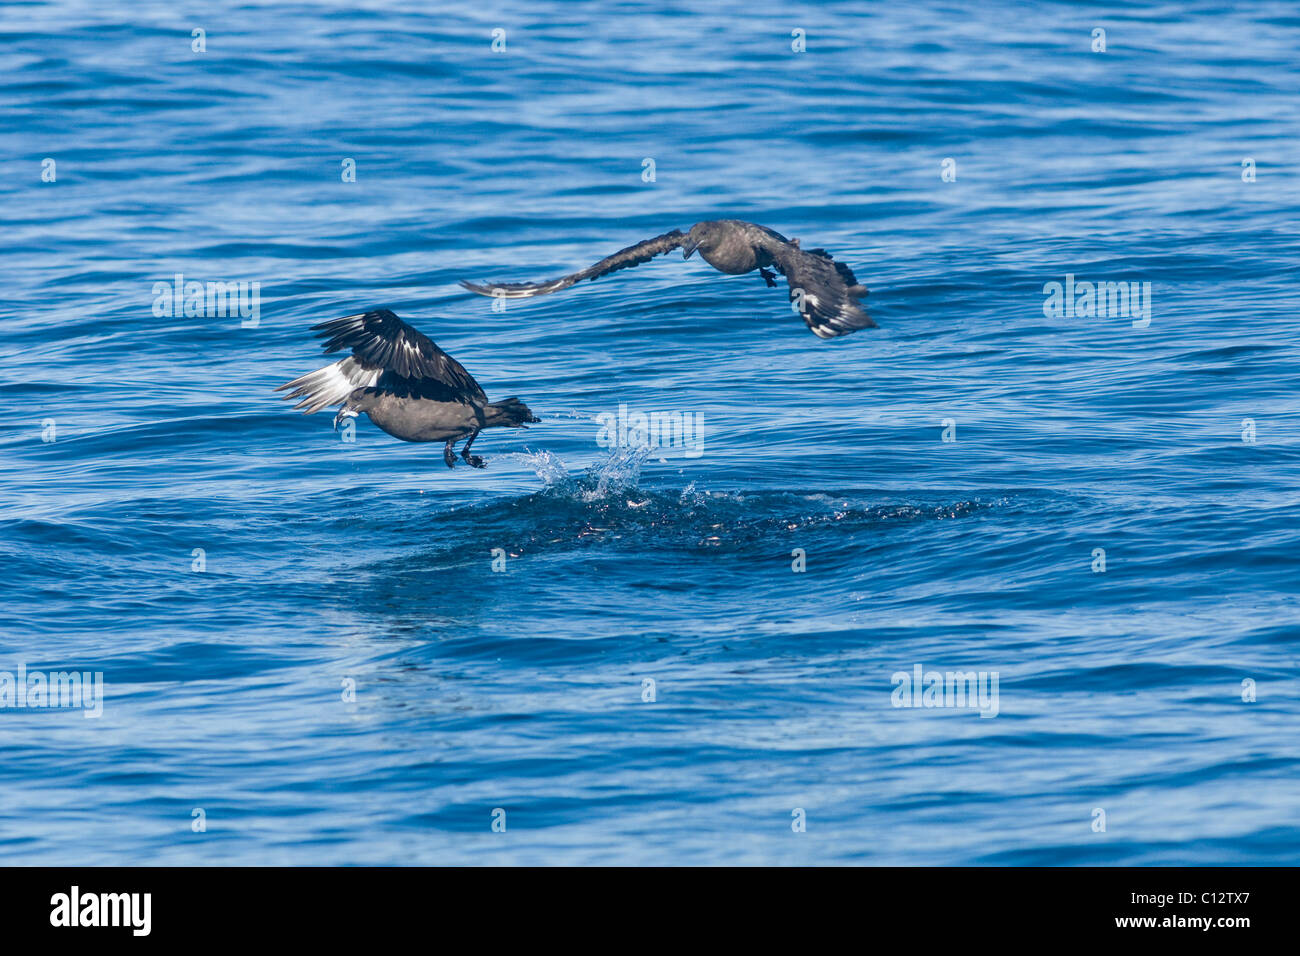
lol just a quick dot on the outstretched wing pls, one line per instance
(825, 291)
(380, 339)
(388, 354)
(330, 385)
(623, 259)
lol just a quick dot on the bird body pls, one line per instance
(418, 419)
(404, 383)
(823, 291)
(732, 245)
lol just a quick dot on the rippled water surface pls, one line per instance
(233, 568)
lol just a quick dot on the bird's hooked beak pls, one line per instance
(344, 412)
(688, 247)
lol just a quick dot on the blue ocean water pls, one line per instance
(236, 570)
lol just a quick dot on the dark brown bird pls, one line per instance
(409, 387)
(822, 290)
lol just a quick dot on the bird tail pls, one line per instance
(510, 413)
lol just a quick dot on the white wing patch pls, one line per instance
(330, 385)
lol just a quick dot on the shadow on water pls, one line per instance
(605, 530)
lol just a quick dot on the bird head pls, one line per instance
(344, 412)
(693, 240)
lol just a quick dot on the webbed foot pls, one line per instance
(474, 461)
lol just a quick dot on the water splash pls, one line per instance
(548, 466)
(617, 475)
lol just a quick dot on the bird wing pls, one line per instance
(386, 353)
(330, 385)
(825, 291)
(623, 259)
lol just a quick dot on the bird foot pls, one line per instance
(769, 277)
(474, 461)
(448, 455)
